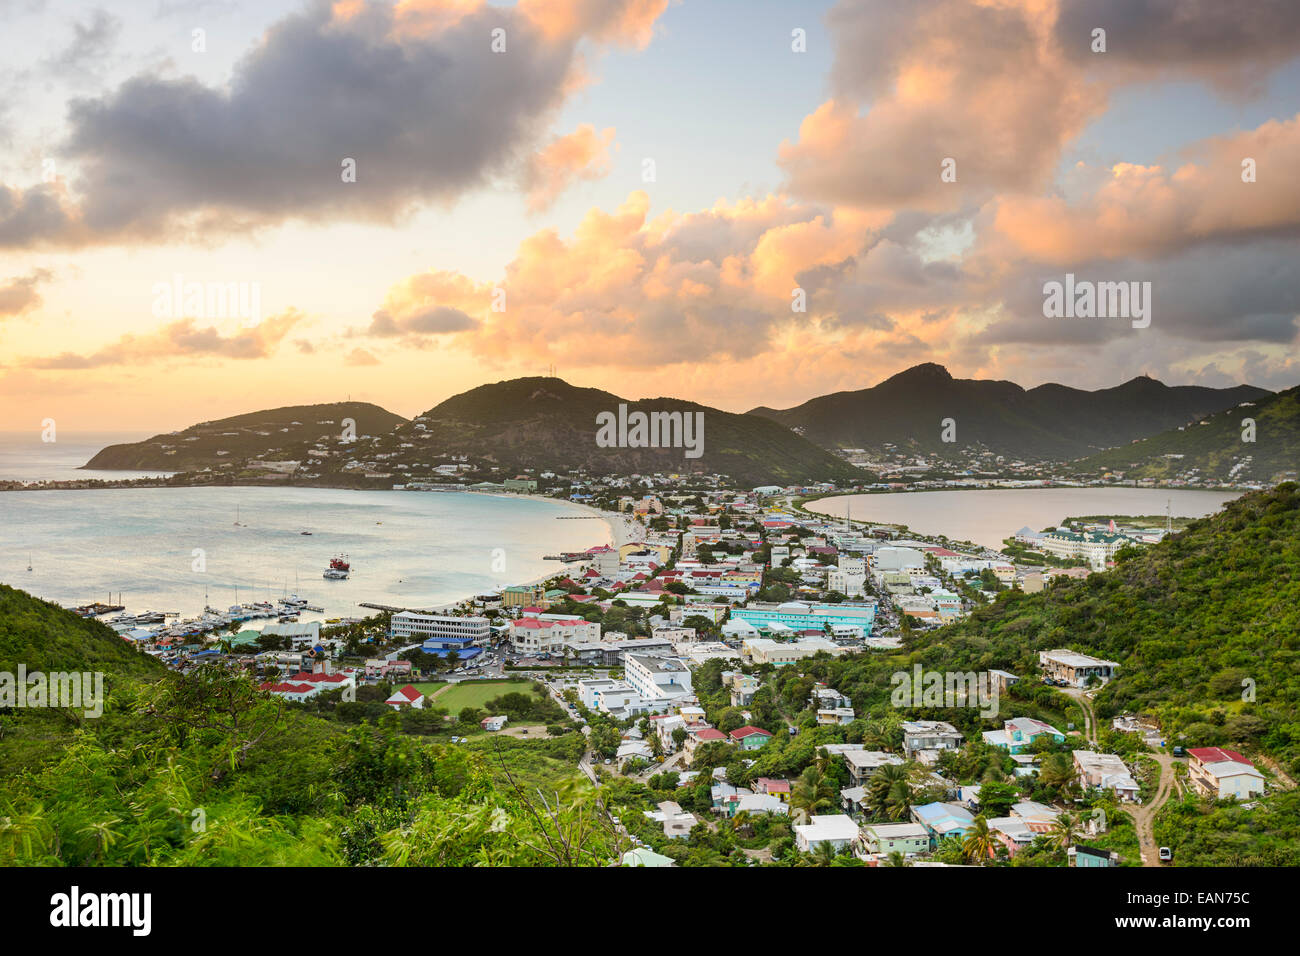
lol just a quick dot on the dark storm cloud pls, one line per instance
(1212, 295)
(426, 113)
(1228, 42)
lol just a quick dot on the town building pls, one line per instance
(1105, 772)
(442, 633)
(837, 830)
(1074, 668)
(1223, 774)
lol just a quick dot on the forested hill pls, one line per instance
(1189, 620)
(44, 637)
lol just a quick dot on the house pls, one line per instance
(837, 830)
(824, 697)
(1019, 733)
(1026, 765)
(863, 764)
(833, 716)
(493, 723)
(1105, 772)
(704, 735)
(754, 803)
(408, 696)
(943, 820)
(750, 737)
(1012, 832)
(1086, 856)
(288, 691)
(887, 838)
(773, 787)
(1074, 668)
(1037, 816)
(644, 856)
(922, 736)
(677, 823)
(1223, 774)
(854, 801)
(743, 689)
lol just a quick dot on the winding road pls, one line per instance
(1143, 815)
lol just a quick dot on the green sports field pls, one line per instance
(475, 693)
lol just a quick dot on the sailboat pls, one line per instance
(237, 524)
(29, 560)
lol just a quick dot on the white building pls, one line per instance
(417, 626)
(657, 678)
(837, 829)
(1075, 668)
(546, 633)
(610, 696)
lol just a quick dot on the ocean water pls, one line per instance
(172, 549)
(24, 456)
(988, 516)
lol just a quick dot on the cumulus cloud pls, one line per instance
(1151, 210)
(630, 290)
(582, 154)
(413, 93)
(917, 83)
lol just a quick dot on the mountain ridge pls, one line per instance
(1047, 422)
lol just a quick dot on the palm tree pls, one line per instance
(980, 842)
(1064, 831)
(898, 801)
(896, 859)
(889, 792)
(810, 793)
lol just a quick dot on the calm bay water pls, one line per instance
(407, 548)
(988, 516)
(25, 457)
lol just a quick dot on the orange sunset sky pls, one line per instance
(641, 184)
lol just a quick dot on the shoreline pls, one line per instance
(619, 530)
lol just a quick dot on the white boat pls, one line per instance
(334, 574)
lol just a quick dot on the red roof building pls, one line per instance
(1217, 755)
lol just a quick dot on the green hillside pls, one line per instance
(1049, 422)
(202, 769)
(275, 434)
(1214, 447)
(546, 423)
(1188, 620)
(45, 637)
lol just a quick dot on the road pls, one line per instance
(1089, 716)
(1144, 816)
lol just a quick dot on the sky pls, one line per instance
(208, 208)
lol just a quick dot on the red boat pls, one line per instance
(340, 563)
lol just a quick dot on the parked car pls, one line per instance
(1166, 854)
